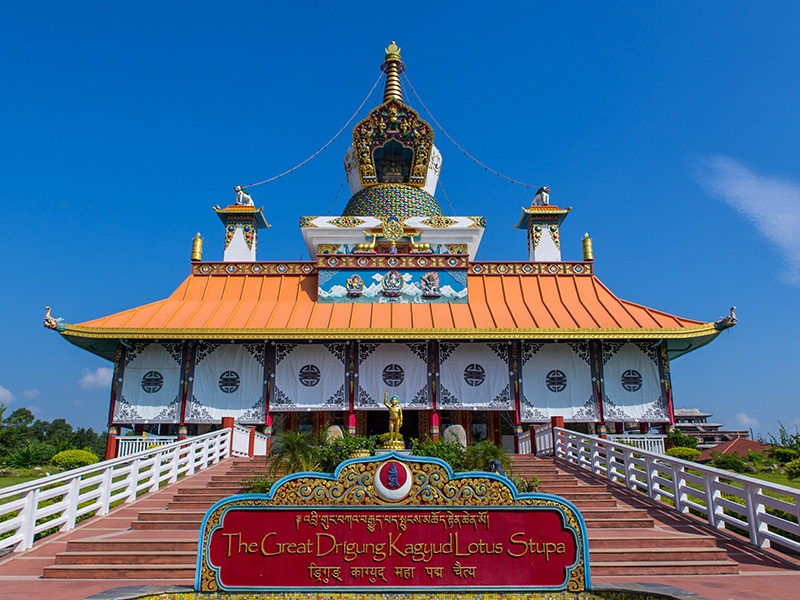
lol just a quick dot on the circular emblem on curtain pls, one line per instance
(631, 380)
(309, 375)
(393, 481)
(393, 375)
(474, 375)
(556, 381)
(229, 382)
(152, 381)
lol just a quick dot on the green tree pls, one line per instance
(22, 417)
(292, 452)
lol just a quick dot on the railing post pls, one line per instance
(532, 432)
(28, 514)
(192, 457)
(712, 493)
(174, 464)
(251, 447)
(678, 482)
(132, 483)
(105, 492)
(755, 509)
(71, 500)
(557, 422)
(228, 423)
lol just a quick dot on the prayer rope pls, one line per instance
(328, 143)
(457, 145)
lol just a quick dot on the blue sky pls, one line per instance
(672, 130)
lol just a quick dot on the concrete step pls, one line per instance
(648, 555)
(615, 523)
(600, 539)
(643, 569)
(139, 557)
(164, 571)
(152, 544)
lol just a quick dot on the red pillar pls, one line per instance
(351, 424)
(251, 448)
(268, 433)
(112, 443)
(556, 422)
(644, 428)
(532, 432)
(435, 425)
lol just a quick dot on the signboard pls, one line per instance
(393, 523)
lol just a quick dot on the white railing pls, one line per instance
(650, 443)
(544, 440)
(60, 501)
(524, 440)
(132, 444)
(241, 440)
(260, 447)
(767, 513)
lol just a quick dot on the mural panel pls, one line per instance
(309, 377)
(474, 376)
(228, 382)
(557, 381)
(632, 384)
(151, 384)
(400, 369)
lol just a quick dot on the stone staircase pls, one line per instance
(161, 542)
(625, 539)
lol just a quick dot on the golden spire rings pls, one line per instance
(393, 67)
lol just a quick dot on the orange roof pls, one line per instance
(738, 446)
(283, 306)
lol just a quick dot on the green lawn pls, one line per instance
(776, 478)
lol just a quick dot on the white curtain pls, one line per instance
(400, 369)
(632, 384)
(557, 381)
(151, 385)
(309, 377)
(474, 376)
(228, 382)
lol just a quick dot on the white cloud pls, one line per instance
(6, 397)
(771, 202)
(31, 394)
(743, 421)
(99, 378)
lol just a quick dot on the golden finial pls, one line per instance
(392, 52)
(588, 253)
(393, 67)
(197, 247)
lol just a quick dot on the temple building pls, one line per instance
(393, 300)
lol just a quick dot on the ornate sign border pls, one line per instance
(433, 487)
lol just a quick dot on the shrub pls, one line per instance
(25, 457)
(292, 452)
(478, 456)
(525, 485)
(785, 455)
(331, 453)
(258, 485)
(450, 452)
(728, 462)
(684, 453)
(74, 459)
(676, 439)
(793, 469)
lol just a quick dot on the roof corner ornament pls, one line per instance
(52, 322)
(393, 67)
(242, 196)
(542, 197)
(727, 322)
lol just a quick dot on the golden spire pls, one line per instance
(588, 252)
(393, 67)
(197, 247)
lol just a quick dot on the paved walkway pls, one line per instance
(21, 573)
